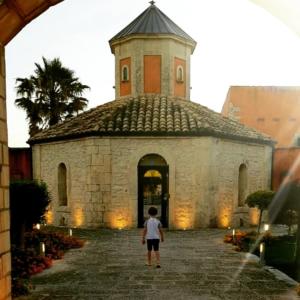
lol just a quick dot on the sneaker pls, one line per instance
(158, 266)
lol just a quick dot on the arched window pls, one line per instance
(179, 74)
(243, 183)
(62, 185)
(125, 73)
(152, 173)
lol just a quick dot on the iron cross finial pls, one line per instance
(152, 2)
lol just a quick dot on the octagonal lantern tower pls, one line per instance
(152, 56)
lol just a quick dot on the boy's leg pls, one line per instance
(157, 255)
(149, 248)
(149, 258)
(156, 251)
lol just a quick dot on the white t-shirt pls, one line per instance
(152, 225)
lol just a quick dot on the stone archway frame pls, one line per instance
(14, 15)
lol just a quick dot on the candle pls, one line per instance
(42, 249)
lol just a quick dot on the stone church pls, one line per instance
(151, 146)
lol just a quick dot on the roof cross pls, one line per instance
(152, 2)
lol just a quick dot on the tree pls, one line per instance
(261, 200)
(28, 203)
(50, 96)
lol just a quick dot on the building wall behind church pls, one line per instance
(103, 185)
(271, 110)
(5, 268)
(20, 163)
(286, 166)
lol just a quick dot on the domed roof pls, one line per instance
(150, 116)
(152, 21)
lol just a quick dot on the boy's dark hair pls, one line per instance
(152, 211)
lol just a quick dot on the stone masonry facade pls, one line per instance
(102, 181)
(5, 258)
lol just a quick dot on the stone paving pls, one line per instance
(195, 265)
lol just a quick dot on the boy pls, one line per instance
(152, 232)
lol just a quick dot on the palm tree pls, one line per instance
(50, 96)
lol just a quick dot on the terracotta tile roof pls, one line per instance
(150, 116)
(152, 21)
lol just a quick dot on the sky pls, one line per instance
(238, 43)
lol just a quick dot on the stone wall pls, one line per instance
(228, 159)
(185, 157)
(88, 180)
(5, 279)
(103, 183)
(203, 178)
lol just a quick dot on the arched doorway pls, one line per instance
(153, 188)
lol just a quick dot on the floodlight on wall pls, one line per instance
(38, 226)
(266, 227)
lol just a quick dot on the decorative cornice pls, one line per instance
(162, 36)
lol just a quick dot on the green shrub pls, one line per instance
(28, 203)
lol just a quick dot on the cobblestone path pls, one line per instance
(195, 265)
